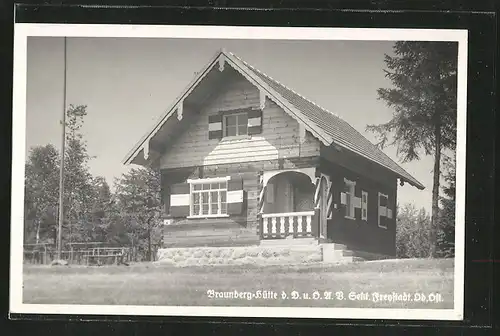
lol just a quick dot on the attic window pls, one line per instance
(235, 124)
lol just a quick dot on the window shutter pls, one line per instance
(215, 127)
(343, 200)
(343, 197)
(179, 200)
(235, 195)
(254, 122)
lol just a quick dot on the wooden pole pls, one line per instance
(61, 165)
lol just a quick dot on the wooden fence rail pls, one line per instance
(86, 253)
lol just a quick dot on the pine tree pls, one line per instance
(102, 205)
(423, 96)
(446, 233)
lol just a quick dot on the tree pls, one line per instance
(412, 232)
(446, 233)
(423, 96)
(138, 195)
(79, 188)
(101, 208)
(41, 185)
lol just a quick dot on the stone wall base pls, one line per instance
(242, 255)
(258, 255)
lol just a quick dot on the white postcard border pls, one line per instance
(22, 31)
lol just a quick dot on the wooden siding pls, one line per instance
(279, 137)
(358, 234)
(208, 232)
(235, 230)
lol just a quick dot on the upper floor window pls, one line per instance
(235, 124)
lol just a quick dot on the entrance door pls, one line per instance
(284, 195)
(323, 208)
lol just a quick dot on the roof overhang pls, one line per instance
(144, 148)
(151, 146)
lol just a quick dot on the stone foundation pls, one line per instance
(273, 252)
(244, 255)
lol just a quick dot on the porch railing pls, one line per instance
(283, 225)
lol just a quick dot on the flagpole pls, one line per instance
(61, 165)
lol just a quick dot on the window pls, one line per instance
(349, 198)
(364, 205)
(235, 124)
(208, 197)
(382, 210)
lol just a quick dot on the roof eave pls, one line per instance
(158, 124)
(414, 183)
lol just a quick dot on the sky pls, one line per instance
(128, 83)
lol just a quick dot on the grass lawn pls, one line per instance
(156, 284)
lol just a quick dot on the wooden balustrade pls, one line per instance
(282, 225)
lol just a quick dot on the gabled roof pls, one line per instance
(324, 125)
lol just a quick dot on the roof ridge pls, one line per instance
(331, 130)
(306, 99)
(286, 87)
(377, 151)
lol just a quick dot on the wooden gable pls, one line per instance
(270, 132)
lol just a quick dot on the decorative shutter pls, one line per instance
(179, 200)
(357, 202)
(254, 122)
(235, 197)
(215, 127)
(343, 198)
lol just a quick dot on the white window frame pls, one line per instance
(224, 124)
(364, 205)
(378, 209)
(352, 188)
(192, 191)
